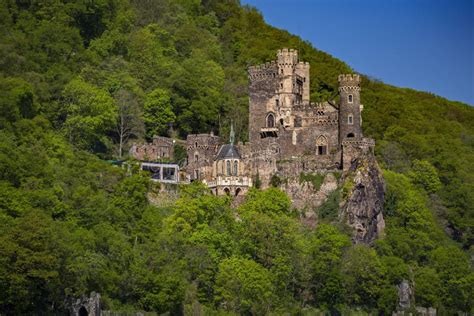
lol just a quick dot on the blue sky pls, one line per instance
(421, 44)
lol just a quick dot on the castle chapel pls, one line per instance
(288, 134)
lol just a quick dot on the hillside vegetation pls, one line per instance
(82, 79)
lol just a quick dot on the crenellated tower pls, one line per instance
(275, 88)
(349, 107)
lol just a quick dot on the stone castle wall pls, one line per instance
(160, 148)
(201, 150)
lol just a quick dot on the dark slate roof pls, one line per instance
(228, 151)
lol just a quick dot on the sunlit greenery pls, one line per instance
(70, 223)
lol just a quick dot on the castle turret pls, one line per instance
(275, 88)
(349, 107)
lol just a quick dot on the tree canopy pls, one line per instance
(81, 80)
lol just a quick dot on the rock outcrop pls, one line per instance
(305, 197)
(86, 305)
(363, 190)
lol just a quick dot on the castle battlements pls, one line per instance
(263, 71)
(287, 56)
(349, 80)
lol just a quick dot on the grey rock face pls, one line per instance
(363, 197)
(304, 196)
(86, 305)
(404, 294)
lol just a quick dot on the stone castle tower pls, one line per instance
(349, 107)
(282, 119)
(274, 89)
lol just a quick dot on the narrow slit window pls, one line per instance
(350, 119)
(350, 98)
(236, 168)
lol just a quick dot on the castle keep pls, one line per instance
(288, 134)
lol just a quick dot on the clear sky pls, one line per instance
(421, 44)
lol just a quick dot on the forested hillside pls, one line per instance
(80, 80)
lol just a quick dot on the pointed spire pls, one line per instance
(232, 134)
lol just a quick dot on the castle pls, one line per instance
(288, 134)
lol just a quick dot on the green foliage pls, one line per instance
(425, 175)
(363, 279)
(243, 286)
(158, 114)
(18, 100)
(89, 113)
(275, 181)
(71, 72)
(315, 179)
(328, 246)
(179, 153)
(272, 201)
(329, 210)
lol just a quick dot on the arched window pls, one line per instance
(270, 120)
(196, 157)
(349, 98)
(228, 168)
(350, 119)
(350, 135)
(195, 144)
(227, 191)
(236, 168)
(321, 145)
(222, 167)
(237, 191)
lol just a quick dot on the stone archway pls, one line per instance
(227, 191)
(237, 192)
(321, 145)
(270, 120)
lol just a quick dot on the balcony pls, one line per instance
(268, 132)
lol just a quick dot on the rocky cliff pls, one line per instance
(361, 206)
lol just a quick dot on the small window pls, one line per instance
(282, 71)
(281, 85)
(350, 119)
(322, 150)
(228, 167)
(277, 103)
(236, 168)
(195, 144)
(270, 120)
(196, 158)
(349, 98)
(321, 145)
(350, 135)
